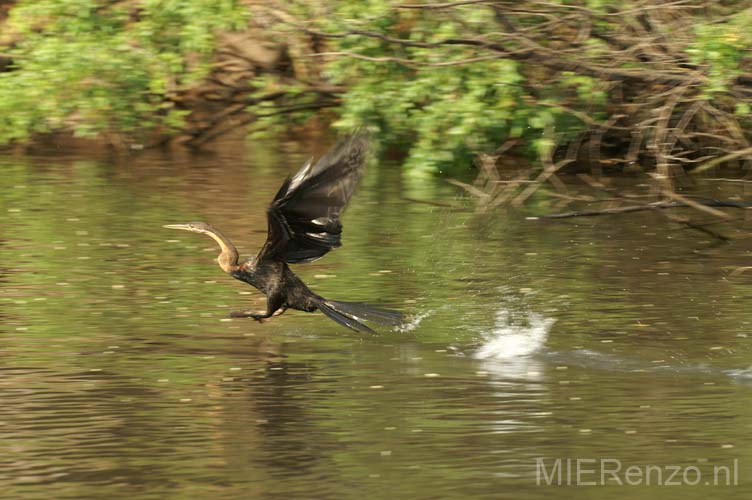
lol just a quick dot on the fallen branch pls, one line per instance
(696, 205)
(650, 206)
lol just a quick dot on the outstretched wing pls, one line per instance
(304, 215)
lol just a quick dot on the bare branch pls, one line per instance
(642, 208)
(445, 5)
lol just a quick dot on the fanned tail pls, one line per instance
(350, 314)
(368, 312)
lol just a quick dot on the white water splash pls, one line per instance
(413, 323)
(508, 340)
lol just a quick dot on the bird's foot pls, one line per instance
(259, 316)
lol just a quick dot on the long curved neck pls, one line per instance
(228, 258)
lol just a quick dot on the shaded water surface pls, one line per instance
(121, 375)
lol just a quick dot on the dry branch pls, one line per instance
(661, 205)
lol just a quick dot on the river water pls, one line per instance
(620, 341)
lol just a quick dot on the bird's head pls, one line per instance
(196, 227)
(228, 258)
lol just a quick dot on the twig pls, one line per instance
(445, 5)
(470, 189)
(721, 179)
(722, 159)
(434, 203)
(408, 62)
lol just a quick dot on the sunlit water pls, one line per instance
(622, 338)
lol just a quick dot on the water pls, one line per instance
(622, 338)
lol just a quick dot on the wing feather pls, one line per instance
(304, 217)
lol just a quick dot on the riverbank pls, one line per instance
(608, 88)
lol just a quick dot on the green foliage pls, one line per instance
(445, 113)
(442, 104)
(722, 47)
(91, 68)
(120, 68)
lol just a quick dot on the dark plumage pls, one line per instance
(304, 224)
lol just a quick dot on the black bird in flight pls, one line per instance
(304, 224)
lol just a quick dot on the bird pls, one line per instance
(303, 225)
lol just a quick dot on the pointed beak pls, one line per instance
(184, 227)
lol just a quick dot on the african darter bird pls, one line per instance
(303, 225)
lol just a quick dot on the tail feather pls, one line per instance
(350, 314)
(327, 308)
(368, 312)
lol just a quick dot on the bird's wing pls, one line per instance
(304, 215)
